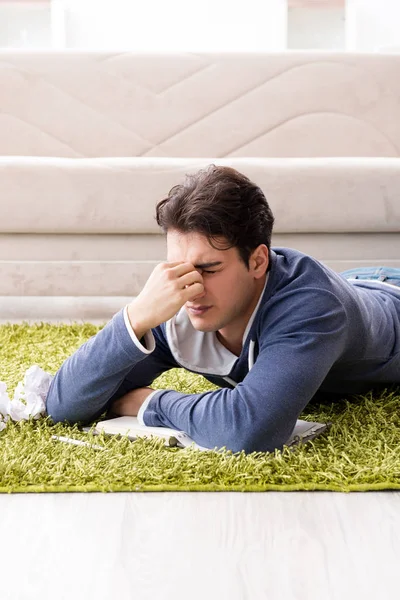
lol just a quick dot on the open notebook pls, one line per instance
(130, 426)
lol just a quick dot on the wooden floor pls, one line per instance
(233, 546)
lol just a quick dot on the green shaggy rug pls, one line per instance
(360, 452)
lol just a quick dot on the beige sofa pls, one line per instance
(90, 142)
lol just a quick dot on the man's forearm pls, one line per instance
(129, 405)
(87, 380)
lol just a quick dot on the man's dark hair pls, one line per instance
(219, 202)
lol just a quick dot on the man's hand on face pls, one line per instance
(130, 404)
(168, 288)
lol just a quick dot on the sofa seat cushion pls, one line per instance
(119, 195)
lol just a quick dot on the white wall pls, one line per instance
(169, 25)
(25, 25)
(372, 25)
(317, 28)
(156, 25)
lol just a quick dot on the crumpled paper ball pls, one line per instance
(33, 390)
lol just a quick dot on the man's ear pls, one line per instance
(259, 261)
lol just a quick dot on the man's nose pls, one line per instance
(200, 295)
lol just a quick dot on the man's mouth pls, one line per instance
(198, 310)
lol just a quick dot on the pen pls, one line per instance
(68, 440)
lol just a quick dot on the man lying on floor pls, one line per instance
(273, 327)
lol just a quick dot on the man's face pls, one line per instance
(231, 291)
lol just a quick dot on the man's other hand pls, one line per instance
(130, 404)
